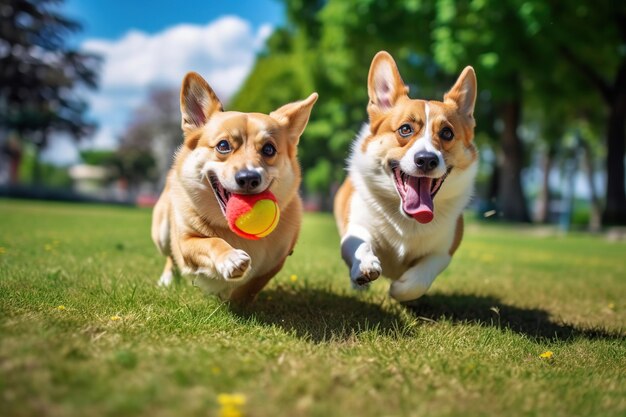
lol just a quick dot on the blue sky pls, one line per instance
(149, 43)
(111, 19)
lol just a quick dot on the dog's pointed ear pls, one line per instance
(463, 93)
(384, 84)
(294, 116)
(197, 102)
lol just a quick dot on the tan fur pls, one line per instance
(188, 225)
(377, 236)
(342, 205)
(458, 236)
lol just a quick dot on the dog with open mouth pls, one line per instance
(410, 174)
(228, 153)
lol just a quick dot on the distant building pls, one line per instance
(90, 179)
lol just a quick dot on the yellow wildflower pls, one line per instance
(2, 250)
(547, 354)
(47, 247)
(216, 370)
(230, 412)
(231, 399)
(61, 308)
(611, 306)
(230, 405)
(293, 278)
(115, 318)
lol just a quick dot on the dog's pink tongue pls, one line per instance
(417, 201)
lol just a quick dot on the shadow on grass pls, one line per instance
(535, 323)
(320, 316)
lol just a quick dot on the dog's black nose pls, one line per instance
(247, 179)
(426, 161)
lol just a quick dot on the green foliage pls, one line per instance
(317, 177)
(527, 52)
(133, 165)
(275, 70)
(328, 48)
(84, 330)
(97, 157)
(49, 175)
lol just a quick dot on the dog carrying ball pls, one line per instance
(252, 216)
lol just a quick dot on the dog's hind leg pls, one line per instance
(358, 254)
(161, 236)
(161, 226)
(168, 273)
(417, 280)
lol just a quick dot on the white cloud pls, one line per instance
(222, 51)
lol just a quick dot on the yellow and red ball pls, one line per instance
(253, 216)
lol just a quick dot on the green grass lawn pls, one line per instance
(84, 330)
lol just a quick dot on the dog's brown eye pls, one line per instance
(268, 150)
(405, 130)
(223, 147)
(446, 134)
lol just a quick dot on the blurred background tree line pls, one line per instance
(552, 81)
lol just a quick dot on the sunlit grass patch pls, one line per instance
(518, 325)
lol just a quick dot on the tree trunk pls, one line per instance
(595, 209)
(37, 166)
(13, 150)
(569, 190)
(510, 194)
(488, 207)
(543, 200)
(615, 209)
(494, 184)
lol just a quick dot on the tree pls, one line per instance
(150, 139)
(529, 54)
(546, 50)
(422, 37)
(597, 58)
(511, 62)
(320, 49)
(40, 74)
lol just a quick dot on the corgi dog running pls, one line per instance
(410, 174)
(226, 153)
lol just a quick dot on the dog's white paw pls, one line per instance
(408, 290)
(365, 270)
(417, 280)
(166, 279)
(234, 265)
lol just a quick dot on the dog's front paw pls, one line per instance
(366, 270)
(234, 265)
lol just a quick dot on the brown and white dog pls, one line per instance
(411, 173)
(225, 153)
